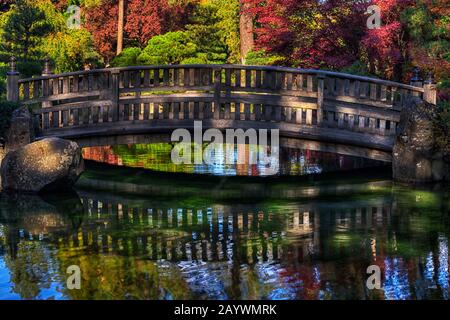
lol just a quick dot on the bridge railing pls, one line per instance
(217, 92)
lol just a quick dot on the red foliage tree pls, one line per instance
(309, 33)
(385, 49)
(143, 20)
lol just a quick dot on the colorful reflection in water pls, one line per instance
(278, 246)
(157, 157)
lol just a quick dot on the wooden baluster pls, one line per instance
(310, 83)
(115, 95)
(340, 120)
(301, 82)
(45, 88)
(217, 92)
(289, 81)
(26, 91)
(237, 74)
(363, 90)
(177, 110)
(237, 112)
(267, 112)
(299, 115)
(46, 117)
(393, 96)
(166, 77)
(166, 110)
(346, 87)
(382, 128)
(36, 93)
(155, 108)
(75, 116)
(247, 111)
(373, 91)
(227, 79)
(351, 88)
(372, 124)
(288, 114)
(258, 78)
(156, 81)
(75, 87)
(136, 111)
(66, 85)
(361, 123)
(92, 83)
(340, 87)
(309, 120)
(383, 93)
(351, 121)
(55, 119)
(393, 128)
(257, 109)
(278, 113)
(248, 79)
(146, 111)
(146, 78)
(320, 98)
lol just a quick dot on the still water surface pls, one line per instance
(139, 235)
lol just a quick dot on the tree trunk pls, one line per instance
(246, 32)
(120, 25)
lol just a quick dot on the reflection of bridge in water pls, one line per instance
(219, 233)
(292, 250)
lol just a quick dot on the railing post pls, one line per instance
(320, 97)
(416, 80)
(47, 71)
(12, 87)
(217, 92)
(430, 92)
(115, 94)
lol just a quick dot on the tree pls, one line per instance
(70, 50)
(309, 33)
(170, 48)
(228, 19)
(143, 20)
(23, 29)
(200, 43)
(427, 24)
(120, 23)
(246, 30)
(384, 50)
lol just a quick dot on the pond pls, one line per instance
(138, 234)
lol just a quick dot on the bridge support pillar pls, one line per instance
(12, 86)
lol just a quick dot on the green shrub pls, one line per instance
(128, 57)
(261, 58)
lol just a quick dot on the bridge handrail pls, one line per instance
(230, 66)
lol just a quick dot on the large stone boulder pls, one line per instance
(49, 164)
(416, 157)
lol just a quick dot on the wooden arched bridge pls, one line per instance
(317, 110)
